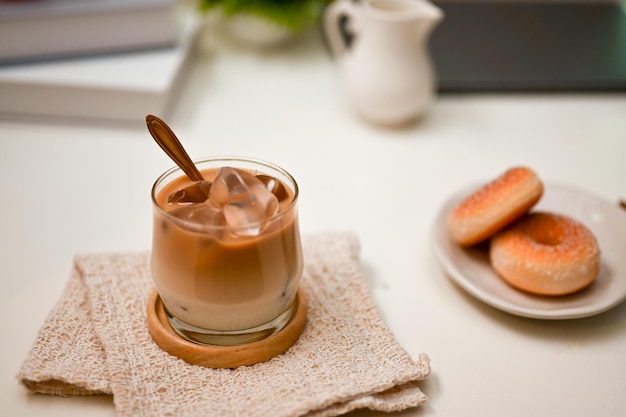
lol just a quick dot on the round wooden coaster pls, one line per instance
(223, 356)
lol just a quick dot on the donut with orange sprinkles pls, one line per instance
(547, 254)
(494, 206)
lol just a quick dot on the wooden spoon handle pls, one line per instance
(168, 141)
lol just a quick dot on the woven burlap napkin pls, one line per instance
(95, 341)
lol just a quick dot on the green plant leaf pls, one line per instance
(295, 15)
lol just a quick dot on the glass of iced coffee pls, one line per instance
(226, 253)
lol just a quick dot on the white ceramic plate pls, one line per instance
(471, 270)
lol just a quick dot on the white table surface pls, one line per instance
(69, 188)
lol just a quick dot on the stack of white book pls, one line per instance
(109, 60)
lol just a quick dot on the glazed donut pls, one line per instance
(494, 206)
(547, 254)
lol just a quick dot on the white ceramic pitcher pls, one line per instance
(382, 53)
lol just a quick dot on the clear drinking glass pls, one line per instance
(235, 282)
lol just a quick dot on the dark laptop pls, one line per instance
(503, 46)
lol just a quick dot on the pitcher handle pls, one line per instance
(337, 16)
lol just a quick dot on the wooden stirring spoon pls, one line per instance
(198, 192)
